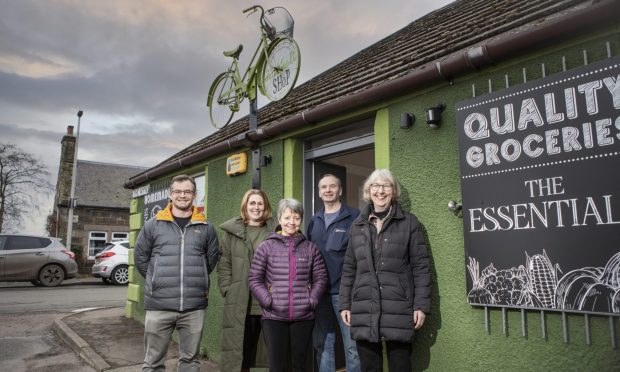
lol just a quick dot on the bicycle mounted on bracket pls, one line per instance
(274, 67)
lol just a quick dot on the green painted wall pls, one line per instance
(426, 163)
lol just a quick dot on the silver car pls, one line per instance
(112, 263)
(39, 259)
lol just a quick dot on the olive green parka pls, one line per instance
(232, 273)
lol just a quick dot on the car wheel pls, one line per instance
(51, 275)
(120, 275)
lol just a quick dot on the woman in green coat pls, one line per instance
(242, 343)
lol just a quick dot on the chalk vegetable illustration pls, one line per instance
(542, 278)
(497, 286)
(538, 285)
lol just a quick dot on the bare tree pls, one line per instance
(22, 179)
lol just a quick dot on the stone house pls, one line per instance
(101, 212)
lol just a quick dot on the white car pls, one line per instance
(112, 263)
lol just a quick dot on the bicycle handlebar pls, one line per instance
(254, 9)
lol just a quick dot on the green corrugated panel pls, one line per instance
(293, 165)
(382, 139)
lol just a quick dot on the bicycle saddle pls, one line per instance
(235, 52)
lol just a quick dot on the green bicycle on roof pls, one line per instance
(273, 68)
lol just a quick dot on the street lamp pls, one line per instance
(73, 178)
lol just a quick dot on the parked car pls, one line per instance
(39, 259)
(112, 263)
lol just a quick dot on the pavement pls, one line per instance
(108, 341)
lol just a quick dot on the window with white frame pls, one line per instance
(96, 242)
(118, 236)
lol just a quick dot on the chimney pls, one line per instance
(65, 170)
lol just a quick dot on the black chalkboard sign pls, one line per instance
(540, 178)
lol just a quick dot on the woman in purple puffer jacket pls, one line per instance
(287, 278)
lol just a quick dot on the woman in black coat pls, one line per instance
(386, 283)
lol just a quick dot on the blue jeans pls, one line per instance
(324, 337)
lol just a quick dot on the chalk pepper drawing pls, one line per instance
(538, 284)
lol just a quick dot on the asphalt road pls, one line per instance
(27, 342)
(72, 294)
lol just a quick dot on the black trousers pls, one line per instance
(250, 340)
(287, 338)
(371, 356)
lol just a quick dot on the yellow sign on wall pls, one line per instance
(237, 164)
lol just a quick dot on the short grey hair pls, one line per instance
(293, 204)
(330, 175)
(384, 174)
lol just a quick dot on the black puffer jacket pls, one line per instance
(382, 299)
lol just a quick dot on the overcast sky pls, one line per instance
(140, 69)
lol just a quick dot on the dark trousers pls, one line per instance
(287, 338)
(251, 335)
(371, 356)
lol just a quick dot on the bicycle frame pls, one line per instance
(275, 62)
(247, 88)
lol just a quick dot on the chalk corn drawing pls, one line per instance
(542, 278)
(538, 284)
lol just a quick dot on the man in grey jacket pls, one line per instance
(175, 252)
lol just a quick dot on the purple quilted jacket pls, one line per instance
(287, 277)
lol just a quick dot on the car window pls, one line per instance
(106, 247)
(126, 245)
(26, 242)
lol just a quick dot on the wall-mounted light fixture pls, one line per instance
(455, 207)
(433, 115)
(266, 160)
(406, 120)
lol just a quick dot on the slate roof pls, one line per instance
(440, 33)
(101, 184)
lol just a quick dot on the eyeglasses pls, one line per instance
(182, 192)
(377, 186)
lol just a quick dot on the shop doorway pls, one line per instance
(349, 154)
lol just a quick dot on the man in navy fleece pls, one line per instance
(329, 230)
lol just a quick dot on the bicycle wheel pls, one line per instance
(222, 100)
(280, 69)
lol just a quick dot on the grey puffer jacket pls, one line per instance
(287, 277)
(382, 299)
(176, 262)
